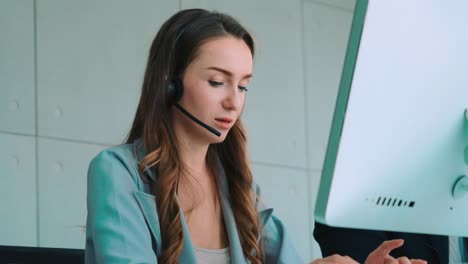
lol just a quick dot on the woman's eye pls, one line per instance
(215, 84)
(243, 88)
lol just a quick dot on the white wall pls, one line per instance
(70, 77)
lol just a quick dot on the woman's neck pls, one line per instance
(193, 158)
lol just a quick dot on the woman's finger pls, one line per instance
(388, 261)
(387, 246)
(341, 259)
(380, 254)
(403, 260)
(418, 261)
(335, 259)
(321, 261)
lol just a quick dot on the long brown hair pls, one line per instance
(173, 49)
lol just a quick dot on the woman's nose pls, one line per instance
(234, 99)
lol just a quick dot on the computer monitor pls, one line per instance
(399, 136)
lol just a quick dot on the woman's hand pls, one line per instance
(381, 255)
(335, 259)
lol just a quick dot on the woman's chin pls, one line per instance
(216, 139)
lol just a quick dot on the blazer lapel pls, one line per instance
(237, 255)
(265, 215)
(264, 211)
(147, 205)
(188, 251)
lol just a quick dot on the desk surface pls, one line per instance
(24, 255)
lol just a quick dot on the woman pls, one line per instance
(181, 189)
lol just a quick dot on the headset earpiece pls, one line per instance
(175, 90)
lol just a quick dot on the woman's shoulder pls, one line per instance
(120, 154)
(116, 164)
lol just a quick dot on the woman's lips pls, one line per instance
(224, 123)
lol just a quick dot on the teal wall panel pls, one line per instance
(17, 77)
(91, 60)
(18, 203)
(62, 182)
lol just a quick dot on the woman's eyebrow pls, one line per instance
(228, 73)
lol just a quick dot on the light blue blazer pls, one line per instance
(123, 226)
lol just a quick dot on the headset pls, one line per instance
(175, 88)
